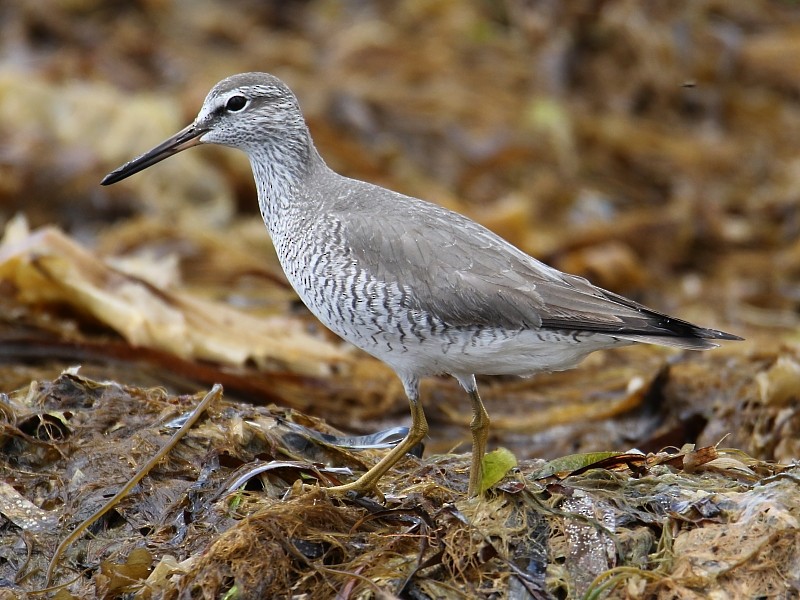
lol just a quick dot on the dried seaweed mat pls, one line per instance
(238, 509)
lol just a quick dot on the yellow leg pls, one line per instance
(419, 429)
(480, 432)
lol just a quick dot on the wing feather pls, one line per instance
(466, 276)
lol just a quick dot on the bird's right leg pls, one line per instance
(480, 433)
(418, 430)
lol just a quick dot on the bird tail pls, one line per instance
(698, 338)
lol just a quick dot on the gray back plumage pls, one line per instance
(466, 275)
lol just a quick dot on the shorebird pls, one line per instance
(424, 289)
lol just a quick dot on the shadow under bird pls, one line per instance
(424, 289)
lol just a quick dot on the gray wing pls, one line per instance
(467, 276)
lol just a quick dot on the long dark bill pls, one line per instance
(185, 138)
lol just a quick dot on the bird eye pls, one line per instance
(236, 103)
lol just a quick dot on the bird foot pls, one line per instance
(358, 487)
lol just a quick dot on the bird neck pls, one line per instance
(282, 170)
